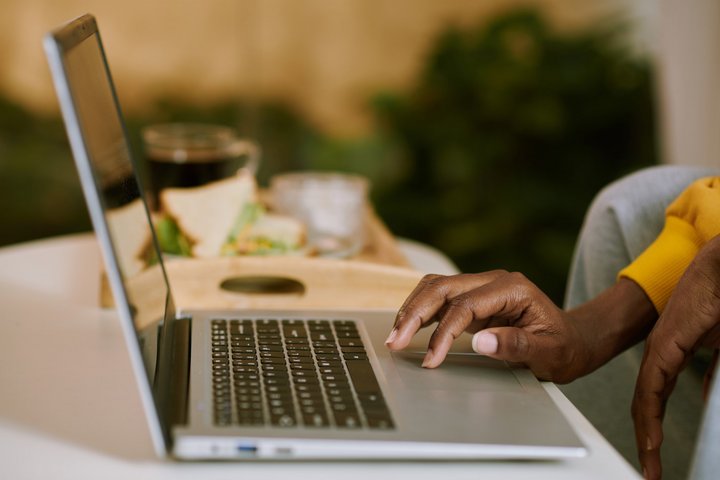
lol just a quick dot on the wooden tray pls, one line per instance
(327, 284)
(379, 277)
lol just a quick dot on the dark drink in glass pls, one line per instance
(193, 154)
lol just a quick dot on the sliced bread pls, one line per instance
(131, 236)
(206, 214)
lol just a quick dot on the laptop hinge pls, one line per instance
(173, 374)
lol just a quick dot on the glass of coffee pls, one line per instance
(193, 154)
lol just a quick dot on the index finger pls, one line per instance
(663, 360)
(427, 300)
(648, 409)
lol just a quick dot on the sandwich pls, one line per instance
(225, 218)
(128, 222)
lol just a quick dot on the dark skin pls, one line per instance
(512, 320)
(690, 320)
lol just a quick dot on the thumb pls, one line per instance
(538, 352)
(504, 343)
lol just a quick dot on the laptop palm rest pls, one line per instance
(463, 369)
(459, 372)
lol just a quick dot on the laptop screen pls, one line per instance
(103, 155)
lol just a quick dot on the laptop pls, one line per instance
(277, 385)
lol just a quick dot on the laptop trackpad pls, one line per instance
(467, 372)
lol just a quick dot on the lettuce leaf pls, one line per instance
(171, 239)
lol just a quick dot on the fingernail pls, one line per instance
(648, 444)
(485, 343)
(427, 361)
(391, 337)
(645, 472)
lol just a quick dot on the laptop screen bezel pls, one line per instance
(57, 45)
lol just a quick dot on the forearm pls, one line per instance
(613, 321)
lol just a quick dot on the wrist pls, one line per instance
(612, 322)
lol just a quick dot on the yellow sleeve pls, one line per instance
(690, 221)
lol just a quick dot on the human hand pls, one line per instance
(511, 318)
(690, 320)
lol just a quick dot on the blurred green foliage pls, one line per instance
(39, 189)
(508, 133)
(492, 156)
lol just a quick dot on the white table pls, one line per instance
(69, 408)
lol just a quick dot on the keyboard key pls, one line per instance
(319, 323)
(326, 351)
(329, 358)
(317, 420)
(294, 332)
(283, 420)
(270, 348)
(302, 366)
(299, 353)
(301, 361)
(352, 349)
(273, 361)
(348, 334)
(355, 356)
(381, 422)
(347, 420)
(322, 336)
(363, 377)
(298, 348)
(309, 381)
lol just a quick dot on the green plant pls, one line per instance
(39, 188)
(506, 136)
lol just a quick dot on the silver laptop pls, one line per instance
(247, 385)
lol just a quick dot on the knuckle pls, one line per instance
(431, 279)
(449, 326)
(667, 355)
(464, 302)
(523, 285)
(518, 277)
(439, 336)
(498, 272)
(434, 284)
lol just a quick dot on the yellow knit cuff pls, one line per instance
(659, 268)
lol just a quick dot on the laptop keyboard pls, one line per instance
(291, 373)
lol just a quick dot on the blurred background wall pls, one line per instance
(324, 56)
(687, 46)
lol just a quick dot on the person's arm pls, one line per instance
(513, 320)
(691, 221)
(690, 320)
